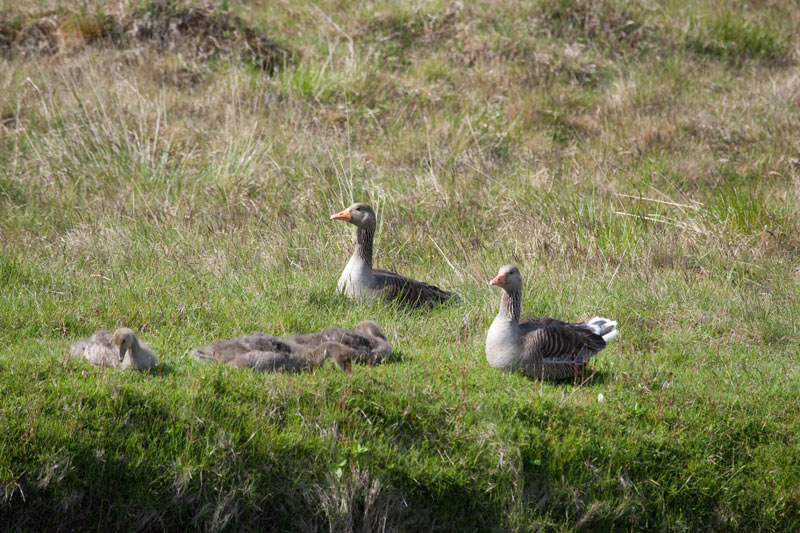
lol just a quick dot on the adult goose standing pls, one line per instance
(542, 348)
(266, 353)
(367, 342)
(122, 349)
(362, 282)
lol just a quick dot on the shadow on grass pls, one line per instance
(595, 377)
(580, 380)
(394, 358)
(162, 370)
(198, 473)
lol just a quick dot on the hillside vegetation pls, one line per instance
(173, 169)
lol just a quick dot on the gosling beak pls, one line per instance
(121, 353)
(500, 279)
(342, 215)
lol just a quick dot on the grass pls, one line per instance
(630, 163)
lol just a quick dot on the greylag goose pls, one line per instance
(118, 350)
(542, 348)
(264, 353)
(367, 342)
(362, 282)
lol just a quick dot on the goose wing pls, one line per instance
(224, 351)
(562, 349)
(408, 291)
(262, 342)
(306, 340)
(546, 321)
(99, 349)
(265, 361)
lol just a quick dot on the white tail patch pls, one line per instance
(611, 335)
(604, 327)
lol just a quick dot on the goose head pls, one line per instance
(370, 327)
(123, 339)
(508, 278)
(358, 214)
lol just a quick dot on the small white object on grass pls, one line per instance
(601, 398)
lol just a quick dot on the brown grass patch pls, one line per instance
(196, 32)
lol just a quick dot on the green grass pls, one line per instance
(733, 37)
(631, 163)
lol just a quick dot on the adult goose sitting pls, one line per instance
(265, 353)
(362, 282)
(542, 348)
(367, 342)
(118, 350)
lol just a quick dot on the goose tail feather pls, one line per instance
(604, 327)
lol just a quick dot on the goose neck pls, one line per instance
(364, 238)
(134, 350)
(510, 305)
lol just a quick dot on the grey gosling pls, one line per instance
(367, 342)
(295, 362)
(226, 350)
(122, 349)
(265, 353)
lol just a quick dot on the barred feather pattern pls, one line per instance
(543, 348)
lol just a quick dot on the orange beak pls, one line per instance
(342, 215)
(500, 279)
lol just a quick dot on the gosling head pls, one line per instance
(370, 327)
(358, 214)
(508, 279)
(124, 339)
(340, 354)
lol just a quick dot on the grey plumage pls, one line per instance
(298, 361)
(225, 350)
(367, 341)
(543, 348)
(122, 349)
(265, 353)
(360, 281)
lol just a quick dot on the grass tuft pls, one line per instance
(733, 37)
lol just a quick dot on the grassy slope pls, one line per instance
(531, 134)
